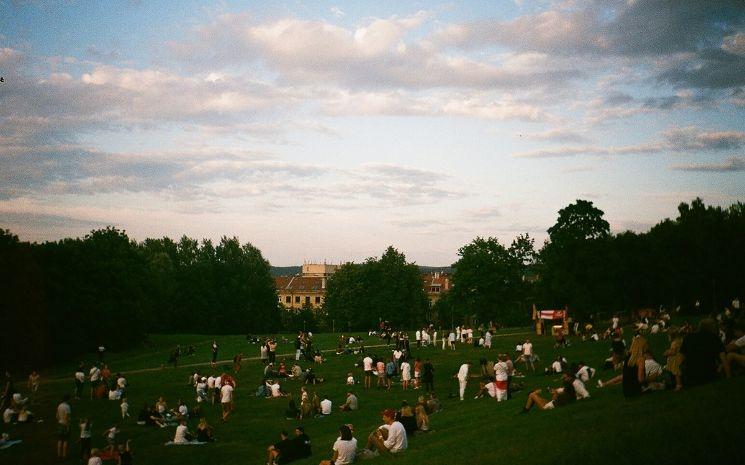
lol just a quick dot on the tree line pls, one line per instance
(67, 297)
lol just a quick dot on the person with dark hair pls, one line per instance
(389, 437)
(560, 397)
(344, 448)
(702, 352)
(428, 375)
(300, 444)
(280, 452)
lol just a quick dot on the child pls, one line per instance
(350, 379)
(125, 408)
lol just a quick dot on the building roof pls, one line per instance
(299, 283)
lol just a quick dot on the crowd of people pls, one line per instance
(693, 356)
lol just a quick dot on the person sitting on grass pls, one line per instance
(301, 444)
(735, 355)
(703, 355)
(204, 431)
(559, 397)
(674, 358)
(125, 454)
(390, 437)
(280, 452)
(182, 435)
(406, 416)
(422, 418)
(344, 448)
(351, 403)
(633, 375)
(292, 412)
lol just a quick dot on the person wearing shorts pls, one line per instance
(367, 364)
(63, 427)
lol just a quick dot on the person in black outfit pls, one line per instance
(428, 375)
(281, 452)
(300, 444)
(702, 352)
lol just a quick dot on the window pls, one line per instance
(297, 299)
(288, 299)
(307, 299)
(318, 300)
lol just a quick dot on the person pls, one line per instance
(215, 348)
(95, 379)
(280, 452)
(559, 397)
(204, 431)
(389, 437)
(350, 403)
(125, 454)
(79, 382)
(633, 374)
(95, 458)
(33, 383)
(110, 435)
(226, 400)
(85, 439)
(734, 348)
(502, 376)
(124, 406)
(528, 355)
(237, 362)
(451, 340)
(367, 364)
(405, 374)
(301, 444)
(702, 352)
(350, 379)
(674, 358)
(64, 412)
(344, 448)
(462, 377)
(325, 406)
(182, 435)
(428, 375)
(422, 417)
(406, 416)
(487, 339)
(292, 412)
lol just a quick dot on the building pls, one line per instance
(435, 284)
(306, 289)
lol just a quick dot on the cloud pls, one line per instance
(556, 135)
(337, 12)
(734, 164)
(688, 139)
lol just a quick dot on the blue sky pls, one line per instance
(329, 130)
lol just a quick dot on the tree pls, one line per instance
(489, 280)
(388, 288)
(579, 221)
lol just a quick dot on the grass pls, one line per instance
(699, 425)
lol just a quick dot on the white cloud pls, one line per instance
(337, 12)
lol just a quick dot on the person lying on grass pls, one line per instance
(559, 397)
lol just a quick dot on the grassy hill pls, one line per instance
(696, 426)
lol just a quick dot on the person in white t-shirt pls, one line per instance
(367, 363)
(182, 433)
(95, 458)
(63, 427)
(389, 437)
(405, 374)
(344, 449)
(528, 355)
(451, 340)
(501, 378)
(226, 400)
(276, 389)
(325, 406)
(95, 378)
(580, 389)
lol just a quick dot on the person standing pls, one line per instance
(226, 400)
(79, 381)
(462, 377)
(215, 347)
(428, 375)
(405, 374)
(95, 378)
(64, 412)
(367, 364)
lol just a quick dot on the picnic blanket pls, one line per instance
(190, 443)
(7, 444)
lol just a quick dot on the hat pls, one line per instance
(389, 412)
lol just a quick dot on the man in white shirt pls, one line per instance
(580, 389)
(405, 374)
(584, 373)
(418, 336)
(79, 382)
(226, 399)
(63, 427)
(389, 437)
(451, 340)
(95, 378)
(325, 406)
(462, 377)
(528, 355)
(367, 363)
(501, 377)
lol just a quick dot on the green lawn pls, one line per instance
(700, 425)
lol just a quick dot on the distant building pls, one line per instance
(307, 288)
(435, 284)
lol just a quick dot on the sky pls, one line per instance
(326, 131)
